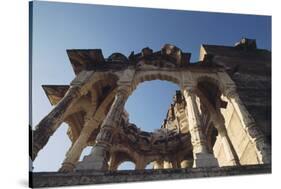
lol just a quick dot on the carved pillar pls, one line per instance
(200, 154)
(49, 124)
(256, 136)
(140, 164)
(75, 151)
(219, 124)
(99, 157)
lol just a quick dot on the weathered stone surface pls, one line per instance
(83, 58)
(51, 179)
(218, 119)
(55, 92)
(48, 125)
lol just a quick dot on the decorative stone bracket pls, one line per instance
(49, 124)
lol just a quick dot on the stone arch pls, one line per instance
(149, 165)
(147, 76)
(217, 135)
(186, 161)
(113, 76)
(103, 77)
(120, 155)
(210, 78)
(212, 89)
(102, 84)
(143, 76)
(131, 162)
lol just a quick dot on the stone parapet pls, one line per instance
(52, 179)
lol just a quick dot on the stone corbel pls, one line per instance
(49, 124)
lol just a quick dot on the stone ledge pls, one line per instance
(52, 179)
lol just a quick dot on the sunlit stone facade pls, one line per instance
(221, 116)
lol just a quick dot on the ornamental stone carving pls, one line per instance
(196, 132)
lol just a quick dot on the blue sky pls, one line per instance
(61, 26)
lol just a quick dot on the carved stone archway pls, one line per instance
(106, 84)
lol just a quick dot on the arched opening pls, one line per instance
(187, 161)
(167, 165)
(149, 103)
(126, 165)
(121, 160)
(214, 122)
(210, 103)
(86, 151)
(149, 165)
(211, 92)
(53, 147)
(101, 88)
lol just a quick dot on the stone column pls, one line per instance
(99, 157)
(75, 151)
(49, 124)
(219, 125)
(200, 154)
(140, 164)
(256, 136)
